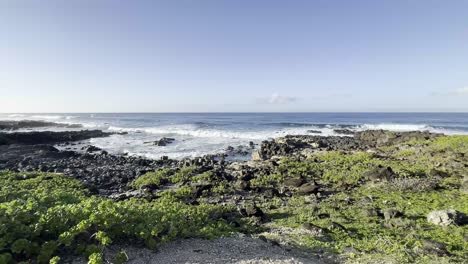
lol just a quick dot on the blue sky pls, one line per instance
(236, 56)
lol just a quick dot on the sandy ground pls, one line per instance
(219, 251)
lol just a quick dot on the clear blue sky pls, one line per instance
(199, 56)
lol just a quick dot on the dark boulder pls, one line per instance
(90, 149)
(344, 131)
(161, 142)
(447, 217)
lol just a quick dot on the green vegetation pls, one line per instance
(161, 177)
(365, 221)
(42, 213)
(152, 178)
(352, 220)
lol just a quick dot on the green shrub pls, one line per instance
(41, 213)
(152, 178)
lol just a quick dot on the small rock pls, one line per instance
(252, 210)
(438, 173)
(447, 217)
(294, 182)
(380, 174)
(242, 185)
(161, 142)
(391, 213)
(372, 212)
(308, 188)
(434, 247)
(315, 230)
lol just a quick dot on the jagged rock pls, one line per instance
(375, 138)
(447, 217)
(239, 151)
(161, 142)
(344, 131)
(90, 148)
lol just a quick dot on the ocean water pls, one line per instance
(208, 133)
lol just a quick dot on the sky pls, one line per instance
(233, 56)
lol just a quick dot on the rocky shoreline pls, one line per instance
(307, 177)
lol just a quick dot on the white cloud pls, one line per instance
(278, 99)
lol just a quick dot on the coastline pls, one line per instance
(320, 194)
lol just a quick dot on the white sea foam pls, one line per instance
(48, 117)
(195, 139)
(194, 131)
(396, 127)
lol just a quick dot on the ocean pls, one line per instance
(198, 134)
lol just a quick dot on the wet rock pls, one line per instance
(239, 151)
(344, 131)
(49, 137)
(311, 131)
(90, 148)
(15, 125)
(447, 217)
(161, 142)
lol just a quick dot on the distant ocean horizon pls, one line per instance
(198, 134)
